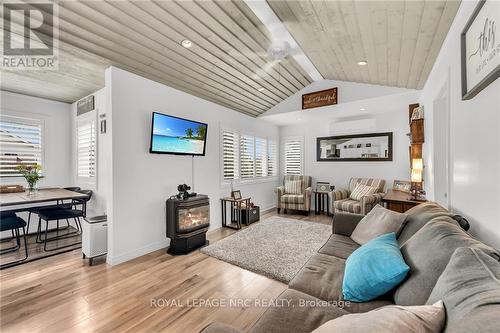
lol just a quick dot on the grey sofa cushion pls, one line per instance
(427, 253)
(321, 277)
(295, 317)
(339, 246)
(419, 216)
(377, 222)
(470, 290)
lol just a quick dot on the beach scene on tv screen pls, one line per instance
(173, 135)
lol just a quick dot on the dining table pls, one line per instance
(20, 201)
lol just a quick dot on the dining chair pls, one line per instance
(35, 210)
(10, 221)
(56, 214)
(83, 201)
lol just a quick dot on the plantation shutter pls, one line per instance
(272, 158)
(20, 143)
(86, 149)
(293, 157)
(247, 158)
(230, 155)
(260, 157)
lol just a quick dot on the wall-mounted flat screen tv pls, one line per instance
(174, 135)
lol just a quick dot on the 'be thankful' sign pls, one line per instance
(319, 98)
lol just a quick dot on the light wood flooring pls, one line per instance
(63, 294)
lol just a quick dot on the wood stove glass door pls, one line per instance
(192, 218)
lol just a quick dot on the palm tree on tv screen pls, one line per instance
(201, 131)
(189, 132)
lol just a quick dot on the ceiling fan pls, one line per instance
(276, 53)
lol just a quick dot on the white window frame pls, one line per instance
(27, 121)
(83, 119)
(302, 152)
(254, 179)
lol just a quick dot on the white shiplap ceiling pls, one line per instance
(400, 40)
(225, 65)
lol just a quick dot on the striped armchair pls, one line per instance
(300, 201)
(341, 203)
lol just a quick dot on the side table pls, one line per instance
(236, 209)
(400, 201)
(321, 203)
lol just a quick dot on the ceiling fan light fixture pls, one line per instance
(362, 63)
(186, 43)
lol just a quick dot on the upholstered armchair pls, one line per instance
(342, 202)
(300, 200)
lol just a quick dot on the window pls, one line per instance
(230, 155)
(86, 146)
(260, 157)
(293, 156)
(272, 158)
(20, 143)
(247, 157)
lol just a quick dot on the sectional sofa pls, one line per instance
(428, 240)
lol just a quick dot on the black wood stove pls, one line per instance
(187, 223)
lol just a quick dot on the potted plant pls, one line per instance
(30, 172)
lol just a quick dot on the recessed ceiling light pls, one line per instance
(261, 89)
(362, 62)
(362, 109)
(187, 43)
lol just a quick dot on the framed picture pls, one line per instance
(402, 185)
(358, 147)
(319, 98)
(322, 187)
(236, 194)
(480, 48)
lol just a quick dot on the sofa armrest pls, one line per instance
(307, 200)
(369, 201)
(216, 327)
(280, 190)
(339, 194)
(344, 224)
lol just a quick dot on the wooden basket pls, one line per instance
(11, 188)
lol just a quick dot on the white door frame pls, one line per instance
(444, 94)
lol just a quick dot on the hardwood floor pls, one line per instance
(64, 294)
(36, 250)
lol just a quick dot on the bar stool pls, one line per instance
(10, 221)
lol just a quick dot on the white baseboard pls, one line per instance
(115, 260)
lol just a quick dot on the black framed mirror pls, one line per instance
(370, 147)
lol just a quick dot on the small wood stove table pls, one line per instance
(236, 209)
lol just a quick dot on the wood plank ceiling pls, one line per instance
(400, 40)
(224, 65)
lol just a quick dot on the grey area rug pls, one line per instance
(276, 247)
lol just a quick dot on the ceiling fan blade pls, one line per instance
(264, 71)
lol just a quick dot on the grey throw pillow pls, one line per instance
(391, 318)
(377, 222)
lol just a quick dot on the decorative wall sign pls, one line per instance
(85, 105)
(480, 43)
(359, 147)
(319, 98)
